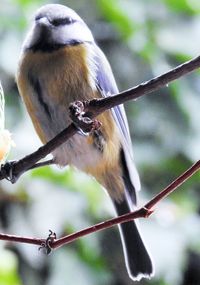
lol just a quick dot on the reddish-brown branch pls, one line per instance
(174, 185)
(14, 238)
(140, 213)
(143, 212)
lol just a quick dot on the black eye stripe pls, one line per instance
(62, 21)
(38, 18)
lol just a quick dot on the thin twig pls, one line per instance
(20, 239)
(42, 164)
(143, 212)
(174, 185)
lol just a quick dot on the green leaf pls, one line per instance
(8, 268)
(188, 7)
(59, 177)
(112, 10)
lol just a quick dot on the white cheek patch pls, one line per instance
(76, 31)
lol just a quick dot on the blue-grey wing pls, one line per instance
(108, 87)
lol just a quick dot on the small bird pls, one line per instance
(60, 63)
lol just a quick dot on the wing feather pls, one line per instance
(106, 84)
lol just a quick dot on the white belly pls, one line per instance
(76, 151)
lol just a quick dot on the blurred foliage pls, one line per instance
(141, 39)
(8, 268)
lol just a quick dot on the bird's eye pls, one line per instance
(37, 17)
(62, 21)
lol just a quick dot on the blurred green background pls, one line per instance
(141, 39)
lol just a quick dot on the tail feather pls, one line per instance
(121, 183)
(138, 261)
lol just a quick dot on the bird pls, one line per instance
(60, 62)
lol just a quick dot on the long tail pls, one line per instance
(138, 261)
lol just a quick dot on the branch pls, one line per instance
(92, 109)
(144, 212)
(100, 105)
